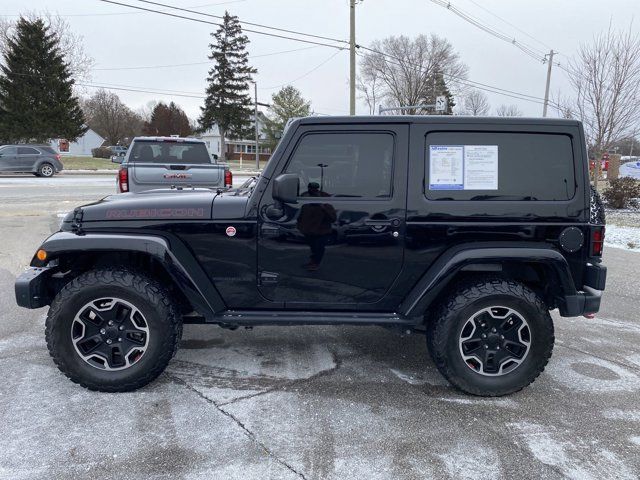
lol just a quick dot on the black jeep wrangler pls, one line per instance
(467, 229)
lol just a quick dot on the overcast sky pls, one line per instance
(118, 37)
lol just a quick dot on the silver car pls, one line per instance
(41, 160)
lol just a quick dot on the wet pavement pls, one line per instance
(317, 402)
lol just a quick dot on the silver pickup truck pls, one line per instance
(161, 162)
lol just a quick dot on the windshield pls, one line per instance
(154, 151)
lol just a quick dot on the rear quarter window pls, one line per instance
(530, 166)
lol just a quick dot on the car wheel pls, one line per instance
(491, 337)
(113, 330)
(46, 170)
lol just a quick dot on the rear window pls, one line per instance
(499, 166)
(169, 152)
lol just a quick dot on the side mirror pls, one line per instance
(215, 157)
(286, 188)
(117, 159)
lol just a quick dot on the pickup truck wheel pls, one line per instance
(491, 337)
(113, 330)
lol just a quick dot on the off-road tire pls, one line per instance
(46, 170)
(147, 295)
(444, 328)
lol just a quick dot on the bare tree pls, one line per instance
(476, 104)
(404, 71)
(508, 111)
(369, 91)
(71, 44)
(605, 76)
(111, 118)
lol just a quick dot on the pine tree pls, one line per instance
(439, 88)
(36, 96)
(228, 101)
(288, 103)
(168, 120)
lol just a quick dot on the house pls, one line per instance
(81, 147)
(236, 149)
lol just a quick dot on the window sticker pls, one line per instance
(446, 167)
(463, 167)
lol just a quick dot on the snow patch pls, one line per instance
(624, 415)
(593, 376)
(471, 461)
(635, 440)
(497, 402)
(627, 238)
(573, 458)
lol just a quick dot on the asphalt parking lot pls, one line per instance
(309, 402)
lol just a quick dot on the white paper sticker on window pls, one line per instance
(463, 167)
(446, 167)
(481, 167)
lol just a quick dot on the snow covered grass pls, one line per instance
(622, 237)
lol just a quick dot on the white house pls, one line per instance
(235, 147)
(81, 147)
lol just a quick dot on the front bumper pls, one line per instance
(31, 287)
(586, 301)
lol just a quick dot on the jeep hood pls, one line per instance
(196, 204)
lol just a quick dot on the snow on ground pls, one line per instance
(627, 238)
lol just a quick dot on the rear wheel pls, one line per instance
(112, 330)
(46, 170)
(491, 337)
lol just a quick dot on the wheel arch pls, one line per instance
(168, 259)
(540, 267)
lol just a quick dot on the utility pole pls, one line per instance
(352, 57)
(255, 121)
(546, 90)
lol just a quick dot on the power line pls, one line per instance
(511, 24)
(199, 20)
(527, 49)
(306, 74)
(244, 21)
(170, 65)
(109, 14)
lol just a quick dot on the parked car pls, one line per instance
(468, 230)
(118, 150)
(41, 160)
(160, 162)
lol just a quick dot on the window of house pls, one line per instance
(346, 164)
(499, 166)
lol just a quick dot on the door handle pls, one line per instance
(394, 222)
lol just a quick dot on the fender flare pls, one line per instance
(172, 254)
(486, 256)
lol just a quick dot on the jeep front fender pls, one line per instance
(170, 252)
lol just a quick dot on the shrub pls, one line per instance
(622, 192)
(101, 152)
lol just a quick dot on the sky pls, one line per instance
(121, 39)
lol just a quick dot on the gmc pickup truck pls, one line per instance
(162, 162)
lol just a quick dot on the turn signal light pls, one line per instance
(41, 255)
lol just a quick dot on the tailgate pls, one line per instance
(152, 175)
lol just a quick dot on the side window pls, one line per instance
(27, 151)
(8, 151)
(499, 166)
(349, 164)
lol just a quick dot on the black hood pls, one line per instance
(196, 204)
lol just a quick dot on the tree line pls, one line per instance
(42, 60)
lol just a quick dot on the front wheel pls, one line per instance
(112, 330)
(491, 337)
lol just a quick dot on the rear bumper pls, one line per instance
(31, 288)
(586, 301)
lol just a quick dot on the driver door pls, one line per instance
(341, 244)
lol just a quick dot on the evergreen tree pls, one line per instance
(228, 103)
(36, 97)
(288, 103)
(439, 88)
(168, 120)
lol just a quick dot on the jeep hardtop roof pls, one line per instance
(453, 119)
